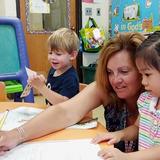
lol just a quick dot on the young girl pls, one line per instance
(148, 122)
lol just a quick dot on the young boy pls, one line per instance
(62, 82)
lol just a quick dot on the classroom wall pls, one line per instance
(8, 8)
(102, 19)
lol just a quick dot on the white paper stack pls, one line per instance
(19, 116)
(55, 150)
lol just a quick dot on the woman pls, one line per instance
(117, 86)
(124, 84)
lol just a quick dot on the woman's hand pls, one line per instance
(8, 140)
(112, 154)
(110, 137)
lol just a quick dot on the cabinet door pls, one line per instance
(61, 12)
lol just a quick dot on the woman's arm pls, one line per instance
(54, 118)
(131, 132)
(64, 114)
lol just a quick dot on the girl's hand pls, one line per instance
(111, 137)
(112, 154)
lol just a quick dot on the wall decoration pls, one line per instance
(131, 12)
(87, 1)
(135, 15)
(38, 6)
(147, 24)
(45, 16)
(116, 11)
(148, 3)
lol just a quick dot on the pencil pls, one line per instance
(3, 119)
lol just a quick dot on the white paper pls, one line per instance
(55, 150)
(38, 6)
(30, 73)
(27, 89)
(85, 125)
(96, 34)
(19, 116)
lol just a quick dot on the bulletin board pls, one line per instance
(9, 54)
(135, 15)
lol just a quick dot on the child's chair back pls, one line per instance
(81, 87)
(3, 95)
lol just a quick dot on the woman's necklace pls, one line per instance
(131, 117)
(129, 146)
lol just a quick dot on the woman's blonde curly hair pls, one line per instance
(123, 41)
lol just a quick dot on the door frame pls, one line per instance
(75, 21)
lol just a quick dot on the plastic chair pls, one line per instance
(3, 95)
(82, 86)
(13, 53)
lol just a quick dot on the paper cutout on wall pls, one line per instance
(137, 16)
(38, 6)
(131, 12)
(87, 1)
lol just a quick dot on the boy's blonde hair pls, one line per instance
(123, 41)
(64, 39)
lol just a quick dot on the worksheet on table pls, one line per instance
(55, 150)
(18, 116)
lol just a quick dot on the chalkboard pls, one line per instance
(9, 54)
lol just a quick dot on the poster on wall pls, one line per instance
(135, 15)
(39, 6)
(87, 1)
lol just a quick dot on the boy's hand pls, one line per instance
(37, 81)
(112, 154)
(111, 137)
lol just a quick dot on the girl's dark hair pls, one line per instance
(149, 50)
